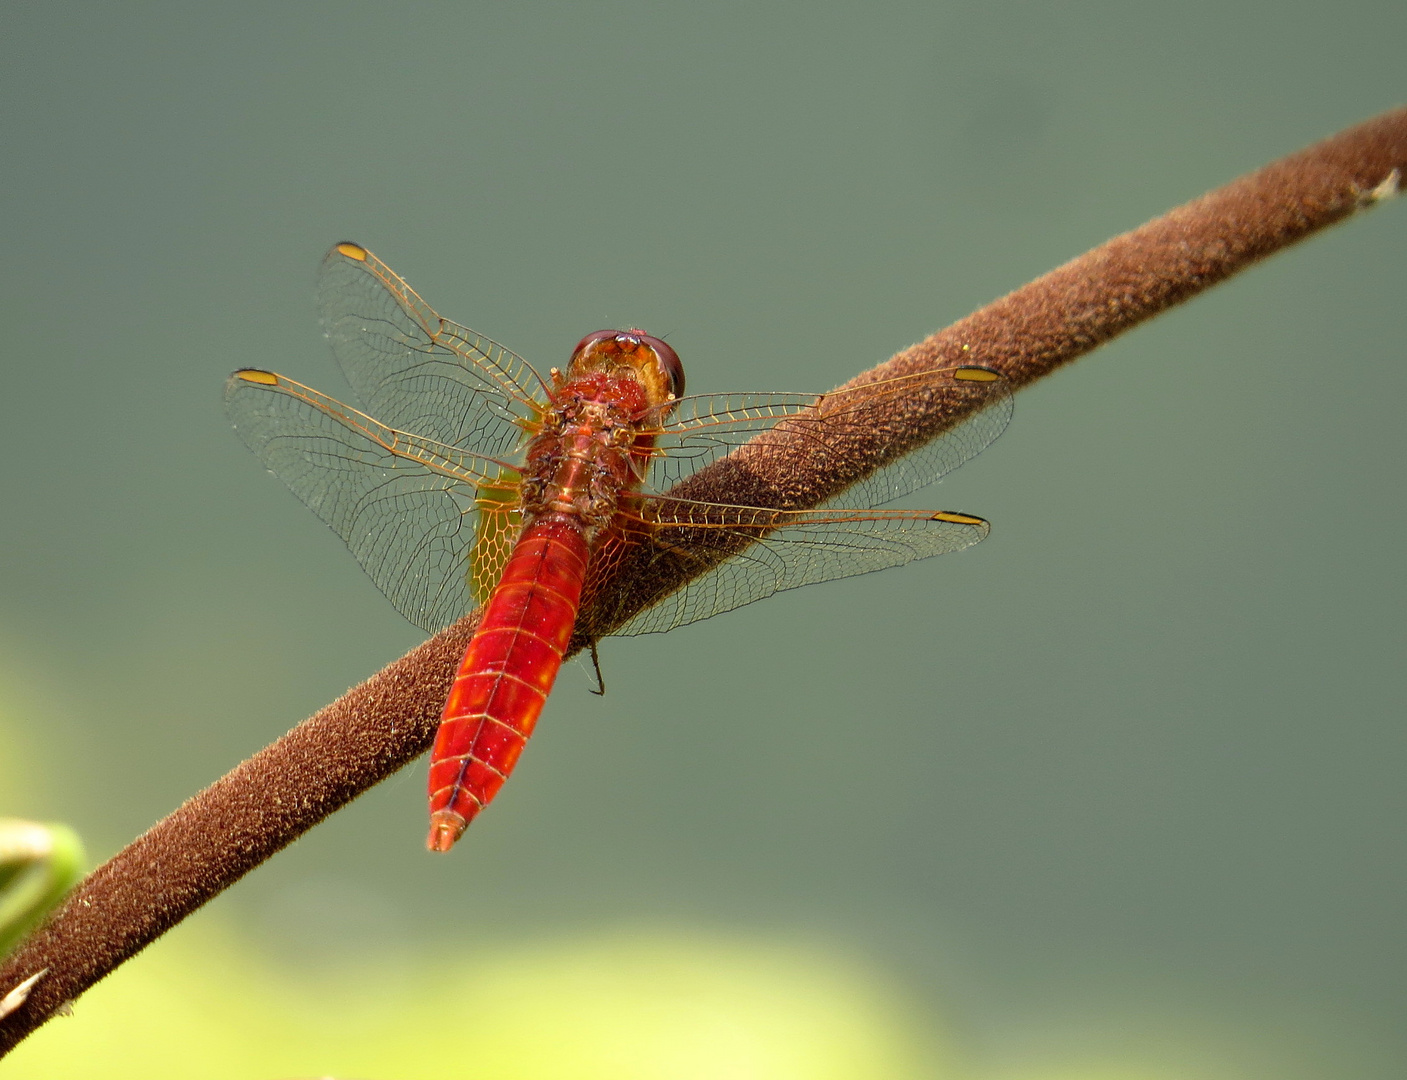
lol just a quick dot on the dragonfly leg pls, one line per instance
(600, 690)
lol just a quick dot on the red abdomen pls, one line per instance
(506, 674)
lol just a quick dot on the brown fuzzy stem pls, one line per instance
(374, 729)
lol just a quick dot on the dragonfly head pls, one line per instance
(654, 364)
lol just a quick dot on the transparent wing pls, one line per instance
(417, 371)
(742, 554)
(411, 509)
(706, 427)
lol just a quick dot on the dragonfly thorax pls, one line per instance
(582, 460)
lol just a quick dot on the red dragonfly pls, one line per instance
(485, 483)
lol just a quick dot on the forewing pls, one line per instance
(417, 371)
(409, 508)
(706, 427)
(738, 554)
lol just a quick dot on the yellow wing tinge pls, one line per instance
(500, 521)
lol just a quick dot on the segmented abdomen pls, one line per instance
(506, 674)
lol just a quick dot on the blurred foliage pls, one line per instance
(203, 1005)
(39, 863)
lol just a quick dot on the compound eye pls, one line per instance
(592, 339)
(669, 361)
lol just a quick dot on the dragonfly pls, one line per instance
(483, 482)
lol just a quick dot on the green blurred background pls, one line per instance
(1117, 793)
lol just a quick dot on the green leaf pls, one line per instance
(39, 863)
